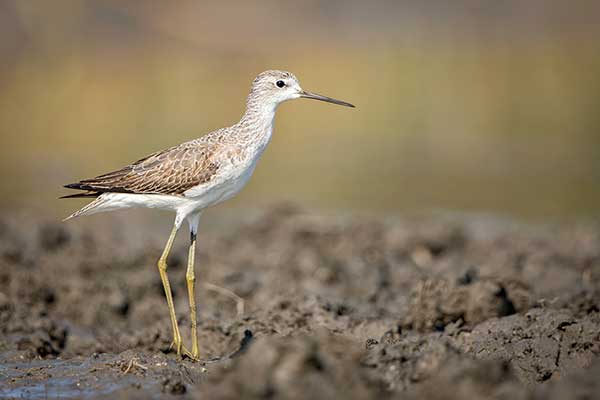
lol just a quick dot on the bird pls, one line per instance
(192, 176)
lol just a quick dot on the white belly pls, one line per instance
(115, 201)
(222, 187)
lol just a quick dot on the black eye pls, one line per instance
(280, 84)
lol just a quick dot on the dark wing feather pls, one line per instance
(79, 195)
(172, 171)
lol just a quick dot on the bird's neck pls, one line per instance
(256, 125)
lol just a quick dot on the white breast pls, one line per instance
(234, 172)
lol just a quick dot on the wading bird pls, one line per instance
(195, 175)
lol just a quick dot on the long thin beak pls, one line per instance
(315, 96)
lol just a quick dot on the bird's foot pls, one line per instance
(177, 344)
(192, 355)
(182, 351)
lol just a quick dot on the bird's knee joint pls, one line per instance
(190, 278)
(162, 265)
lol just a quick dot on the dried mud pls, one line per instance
(439, 307)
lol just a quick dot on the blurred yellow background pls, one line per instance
(464, 105)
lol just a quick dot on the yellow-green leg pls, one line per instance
(191, 285)
(162, 269)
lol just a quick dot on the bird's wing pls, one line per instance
(171, 171)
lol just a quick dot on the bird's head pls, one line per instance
(270, 88)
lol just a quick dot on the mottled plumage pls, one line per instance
(171, 171)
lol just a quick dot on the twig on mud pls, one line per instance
(134, 363)
(239, 302)
(128, 366)
(140, 366)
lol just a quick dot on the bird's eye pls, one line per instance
(280, 84)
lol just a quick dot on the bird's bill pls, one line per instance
(309, 95)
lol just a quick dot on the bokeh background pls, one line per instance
(489, 106)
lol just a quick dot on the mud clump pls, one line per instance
(298, 367)
(539, 344)
(465, 307)
(436, 303)
(45, 342)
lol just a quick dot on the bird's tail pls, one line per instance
(91, 208)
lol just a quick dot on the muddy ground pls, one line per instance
(437, 307)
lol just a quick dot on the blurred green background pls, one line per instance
(465, 105)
